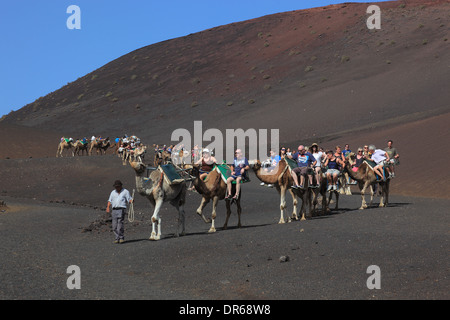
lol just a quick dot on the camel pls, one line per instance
(137, 154)
(161, 157)
(101, 146)
(63, 145)
(323, 192)
(282, 180)
(215, 188)
(157, 190)
(80, 146)
(344, 187)
(118, 144)
(366, 178)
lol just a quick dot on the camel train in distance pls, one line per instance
(68, 145)
(167, 182)
(124, 147)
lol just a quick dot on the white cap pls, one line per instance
(206, 150)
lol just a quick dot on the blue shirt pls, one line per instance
(274, 160)
(304, 160)
(238, 164)
(344, 152)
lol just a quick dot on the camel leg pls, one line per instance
(372, 194)
(381, 200)
(386, 194)
(179, 205)
(314, 201)
(282, 203)
(204, 202)
(303, 210)
(329, 199)
(181, 221)
(383, 194)
(239, 210)
(294, 204)
(182, 213)
(213, 215)
(323, 193)
(337, 200)
(156, 220)
(363, 197)
(308, 204)
(325, 208)
(228, 205)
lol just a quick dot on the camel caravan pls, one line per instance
(125, 147)
(310, 175)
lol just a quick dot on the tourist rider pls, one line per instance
(207, 162)
(319, 156)
(333, 163)
(379, 157)
(393, 158)
(238, 168)
(305, 161)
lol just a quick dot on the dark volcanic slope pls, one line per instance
(356, 77)
(318, 75)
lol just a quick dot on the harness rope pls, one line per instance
(131, 211)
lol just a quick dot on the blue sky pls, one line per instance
(39, 54)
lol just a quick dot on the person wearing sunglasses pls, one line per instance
(238, 168)
(359, 158)
(305, 160)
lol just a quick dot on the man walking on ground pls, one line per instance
(118, 201)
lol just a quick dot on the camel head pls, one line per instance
(195, 170)
(255, 164)
(106, 142)
(141, 150)
(351, 157)
(138, 166)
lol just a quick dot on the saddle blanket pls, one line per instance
(225, 172)
(171, 174)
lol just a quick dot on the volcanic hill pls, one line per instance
(318, 75)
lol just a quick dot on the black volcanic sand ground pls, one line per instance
(328, 255)
(391, 87)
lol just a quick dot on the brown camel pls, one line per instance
(281, 178)
(100, 146)
(134, 155)
(366, 178)
(215, 188)
(161, 157)
(65, 144)
(323, 192)
(117, 147)
(158, 190)
(80, 146)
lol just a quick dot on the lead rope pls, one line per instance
(131, 211)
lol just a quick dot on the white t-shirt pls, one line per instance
(318, 157)
(378, 156)
(119, 200)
